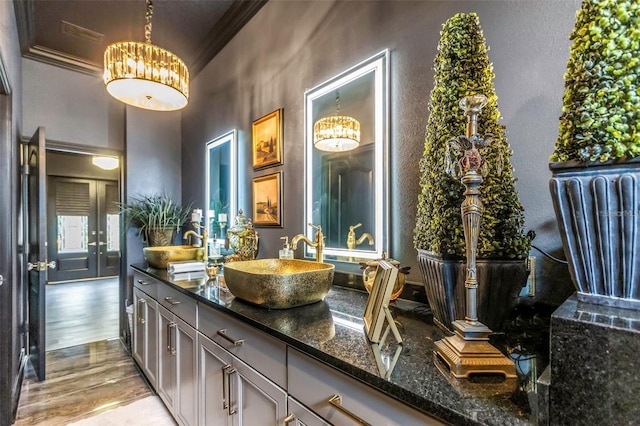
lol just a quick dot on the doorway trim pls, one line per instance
(73, 148)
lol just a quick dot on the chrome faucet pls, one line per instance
(204, 238)
(318, 242)
(352, 242)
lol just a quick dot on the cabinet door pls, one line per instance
(299, 415)
(212, 388)
(186, 401)
(166, 380)
(255, 399)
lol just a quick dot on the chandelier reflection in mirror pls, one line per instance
(144, 75)
(336, 133)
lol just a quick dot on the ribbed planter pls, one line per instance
(499, 283)
(598, 211)
(160, 237)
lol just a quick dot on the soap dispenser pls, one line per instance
(286, 252)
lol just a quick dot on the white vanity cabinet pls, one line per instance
(341, 400)
(145, 334)
(177, 354)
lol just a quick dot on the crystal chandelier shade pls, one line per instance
(144, 75)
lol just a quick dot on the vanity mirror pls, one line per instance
(346, 190)
(220, 192)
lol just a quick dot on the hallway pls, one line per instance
(82, 381)
(81, 312)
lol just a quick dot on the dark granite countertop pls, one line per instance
(332, 331)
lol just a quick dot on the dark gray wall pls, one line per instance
(290, 46)
(72, 107)
(11, 291)
(152, 162)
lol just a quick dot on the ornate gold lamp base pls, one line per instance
(468, 351)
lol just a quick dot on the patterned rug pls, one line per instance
(147, 411)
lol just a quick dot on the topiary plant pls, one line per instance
(462, 68)
(600, 117)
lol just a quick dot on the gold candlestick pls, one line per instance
(468, 351)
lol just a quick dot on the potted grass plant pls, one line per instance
(462, 68)
(156, 217)
(596, 162)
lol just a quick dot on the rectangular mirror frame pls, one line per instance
(379, 65)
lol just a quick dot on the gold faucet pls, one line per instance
(318, 242)
(352, 242)
(204, 237)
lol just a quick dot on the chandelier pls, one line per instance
(336, 133)
(144, 75)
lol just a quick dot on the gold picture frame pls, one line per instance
(267, 200)
(377, 309)
(267, 140)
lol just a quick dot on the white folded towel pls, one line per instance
(187, 266)
(187, 276)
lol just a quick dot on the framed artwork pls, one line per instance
(377, 303)
(267, 200)
(267, 140)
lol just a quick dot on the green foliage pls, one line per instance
(600, 116)
(156, 211)
(462, 68)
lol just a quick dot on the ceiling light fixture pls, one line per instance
(336, 133)
(106, 163)
(144, 75)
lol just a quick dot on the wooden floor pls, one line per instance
(82, 381)
(88, 369)
(81, 312)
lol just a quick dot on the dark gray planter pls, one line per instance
(499, 283)
(597, 206)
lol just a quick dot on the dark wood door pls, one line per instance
(84, 228)
(36, 230)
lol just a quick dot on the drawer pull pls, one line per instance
(228, 372)
(225, 403)
(172, 342)
(289, 419)
(336, 401)
(223, 333)
(170, 300)
(141, 282)
(141, 319)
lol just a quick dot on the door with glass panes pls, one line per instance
(84, 228)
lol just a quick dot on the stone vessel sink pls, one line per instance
(159, 256)
(279, 283)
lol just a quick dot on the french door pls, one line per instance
(83, 226)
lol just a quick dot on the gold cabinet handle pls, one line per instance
(336, 401)
(289, 419)
(223, 333)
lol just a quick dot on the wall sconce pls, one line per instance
(336, 133)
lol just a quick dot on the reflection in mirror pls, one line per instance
(346, 190)
(221, 185)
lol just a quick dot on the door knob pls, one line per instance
(41, 266)
(1, 280)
